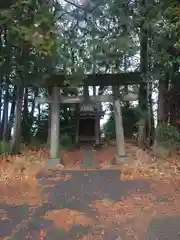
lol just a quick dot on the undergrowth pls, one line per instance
(167, 136)
(24, 165)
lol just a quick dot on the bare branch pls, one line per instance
(74, 4)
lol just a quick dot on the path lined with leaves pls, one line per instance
(92, 204)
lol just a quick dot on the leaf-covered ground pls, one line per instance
(138, 200)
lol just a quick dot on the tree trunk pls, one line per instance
(49, 119)
(31, 114)
(1, 77)
(2, 109)
(5, 115)
(17, 124)
(4, 125)
(25, 118)
(12, 113)
(33, 104)
(35, 94)
(161, 102)
(174, 97)
(173, 112)
(1, 94)
(162, 114)
(127, 104)
(150, 125)
(143, 86)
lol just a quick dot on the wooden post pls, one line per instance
(86, 92)
(78, 121)
(97, 125)
(97, 120)
(120, 153)
(55, 128)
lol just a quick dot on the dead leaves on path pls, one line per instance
(18, 192)
(65, 218)
(134, 213)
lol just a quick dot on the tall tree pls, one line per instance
(29, 45)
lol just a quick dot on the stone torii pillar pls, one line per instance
(120, 146)
(55, 128)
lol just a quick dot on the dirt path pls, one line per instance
(92, 204)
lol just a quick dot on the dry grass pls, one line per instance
(18, 183)
(145, 164)
(23, 166)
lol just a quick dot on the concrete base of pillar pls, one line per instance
(54, 162)
(121, 159)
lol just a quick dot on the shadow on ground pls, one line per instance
(164, 228)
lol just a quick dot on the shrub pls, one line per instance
(130, 117)
(5, 148)
(167, 136)
(66, 141)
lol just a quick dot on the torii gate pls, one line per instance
(114, 80)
